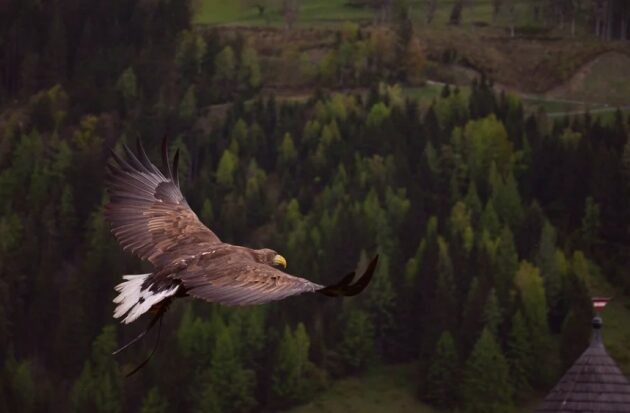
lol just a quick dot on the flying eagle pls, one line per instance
(150, 217)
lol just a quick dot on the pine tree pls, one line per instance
(492, 313)
(591, 224)
(127, 87)
(22, 385)
(490, 220)
(507, 200)
(98, 388)
(249, 70)
(519, 354)
(381, 302)
(233, 384)
(505, 266)
(554, 282)
(357, 343)
(289, 381)
(154, 402)
(486, 386)
(441, 382)
(445, 306)
(188, 105)
(227, 169)
(534, 305)
(287, 154)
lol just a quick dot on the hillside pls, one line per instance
(328, 142)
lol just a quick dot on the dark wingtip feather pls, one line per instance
(167, 165)
(345, 289)
(175, 168)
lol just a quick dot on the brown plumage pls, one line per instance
(150, 217)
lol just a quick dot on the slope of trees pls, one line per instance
(488, 223)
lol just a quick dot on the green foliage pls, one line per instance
(127, 86)
(224, 66)
(22, 385)
(378, 114)
(227, 169)
(381, 302)
(232, 384)
(486, 386)
(288, 153)
(188, 105)
(291, 368)
(492, 314)
(189, 53)
(486, 142)
(591, 224)
(356, 346)
(442, 377)
(322, 180)
(249, 69)
(520, 355)
(154, 402)
(98, 388)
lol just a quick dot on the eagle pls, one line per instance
(149, 217)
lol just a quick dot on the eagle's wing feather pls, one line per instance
(233, 280)
(147, 210)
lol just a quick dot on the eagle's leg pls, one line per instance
(158, 310)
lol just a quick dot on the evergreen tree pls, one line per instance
(98, 388)
(357, 343)
(506, 266)
(591, 224)
(519, 354)
(227, 169)
(492, 314)
(188, 105)
(441, 382)
(154, 402)
(249, 70)
(232, 384)
(381, 302)
(486, 386)
(289, 377)
(554, 283)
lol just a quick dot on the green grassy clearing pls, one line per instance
(386, 389)
(218, 12)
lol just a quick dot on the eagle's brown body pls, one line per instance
(151, 218)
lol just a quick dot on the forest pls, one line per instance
(490, 221)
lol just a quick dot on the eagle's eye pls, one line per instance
(279, 261)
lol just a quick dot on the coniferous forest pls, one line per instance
(489, 222)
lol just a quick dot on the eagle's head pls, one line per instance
(271, 257)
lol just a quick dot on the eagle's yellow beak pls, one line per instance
(279, 261)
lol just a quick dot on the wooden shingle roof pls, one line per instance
(593, 384)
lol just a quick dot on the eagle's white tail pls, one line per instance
(134, 300)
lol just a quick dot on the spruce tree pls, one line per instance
(519, 353)
(357, 343)
(98, 388)
(233, 384)
(441, 382)
(154, 402)
(505, 266)
(486, 386)
(492, 313)
(291, 367)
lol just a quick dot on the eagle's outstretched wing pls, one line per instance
(147, 211)
(237, 280)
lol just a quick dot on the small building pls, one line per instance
(594, 383)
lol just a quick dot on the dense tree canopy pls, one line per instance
(489, 222)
